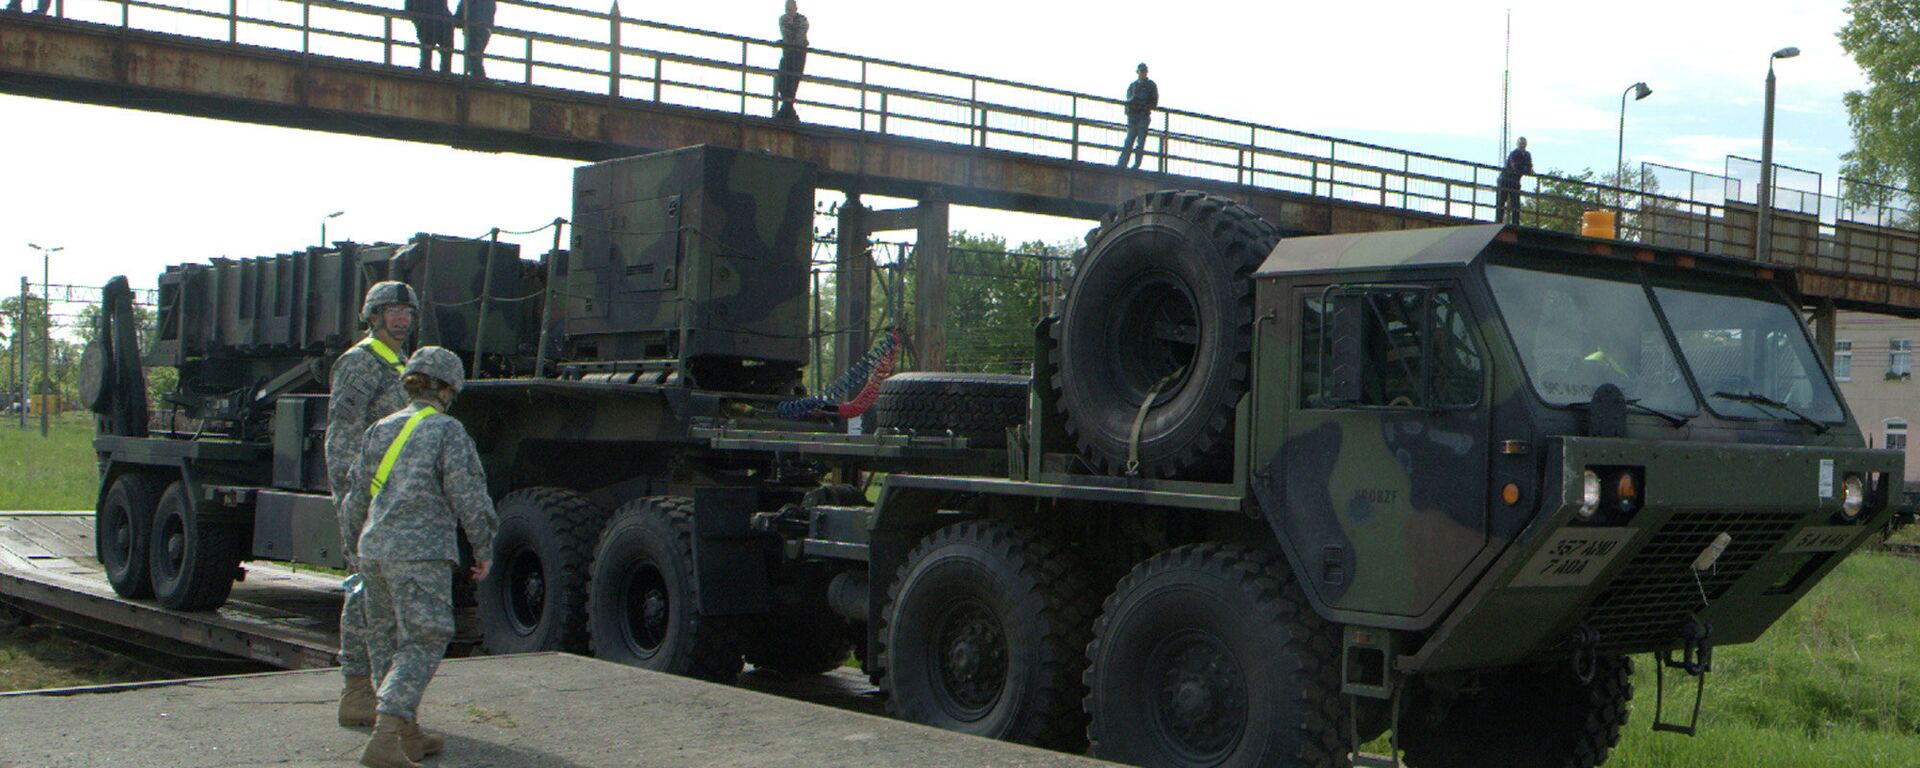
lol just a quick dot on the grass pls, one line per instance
(42, 655)
(55, 472)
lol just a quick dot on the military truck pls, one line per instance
(1262, 500)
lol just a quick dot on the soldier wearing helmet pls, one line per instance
(416, 484)
(365, 387)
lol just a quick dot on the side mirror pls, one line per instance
(1346, 352)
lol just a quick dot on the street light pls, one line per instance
(1763, 226)
(46, 332)
(1639, 91)
(323, 226)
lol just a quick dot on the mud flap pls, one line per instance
(729, 558)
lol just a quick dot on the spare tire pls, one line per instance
(96, 376)
(977, 406)
(1161, 307)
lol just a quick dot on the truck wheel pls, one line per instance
(976, 406)
(642, 599)
(1208, 654)
(535, 597)
(1161, 308)
(801, 644)
(1529, 717)
(121, 532)
(192, 561)
(984, 633)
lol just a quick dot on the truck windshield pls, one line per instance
(1576, 332)
(1748, 352)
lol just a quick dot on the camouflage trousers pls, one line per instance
(353, 628)
(409, 621)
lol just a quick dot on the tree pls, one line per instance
(1883, 36)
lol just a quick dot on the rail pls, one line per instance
(547, 45)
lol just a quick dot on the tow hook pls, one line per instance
(1696, 660)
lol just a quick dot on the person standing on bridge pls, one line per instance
(793, 59)
(416, 484)
(1519, 164)
(433, 25)
(365, 387)
(476, 17)
(1142, 98)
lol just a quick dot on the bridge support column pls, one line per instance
(930, 284)
(1825, 320)
(853, 285)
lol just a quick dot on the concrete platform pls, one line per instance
(531, 711)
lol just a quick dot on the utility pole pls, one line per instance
(46, 343)
(20, 340)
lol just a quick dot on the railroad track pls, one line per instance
(1909, 550)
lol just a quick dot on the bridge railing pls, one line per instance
(547, 45)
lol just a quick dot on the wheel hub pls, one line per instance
(526, 591)
(649, 610)
(1202, 695)
(973, 651)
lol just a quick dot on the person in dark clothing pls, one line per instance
(476, 17)
(433, 24)
(793, 59)
(1519, 164)
(1142, 97)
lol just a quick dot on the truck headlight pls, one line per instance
(1853, 496)
(1589, 494)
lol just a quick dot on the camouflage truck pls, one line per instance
(1263, 499)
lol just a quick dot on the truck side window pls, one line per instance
(1417, 351)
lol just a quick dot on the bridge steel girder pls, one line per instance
(111, 66)
(105, 65)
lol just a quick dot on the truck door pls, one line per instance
(1385, 459)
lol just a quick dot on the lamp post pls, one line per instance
(1763, 225)
(1639, 91)
(46, 331)
(323, 226)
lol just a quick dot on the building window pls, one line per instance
(1843, 360)
(1900, 359)
(1896, 434)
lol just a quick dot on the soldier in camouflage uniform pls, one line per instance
(417, 483)
(366, 386)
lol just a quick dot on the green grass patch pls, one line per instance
(56, 472)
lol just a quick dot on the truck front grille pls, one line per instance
(1645, 605)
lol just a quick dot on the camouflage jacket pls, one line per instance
(436, 482)
(364, 389)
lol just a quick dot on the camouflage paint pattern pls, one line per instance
(696, 253)
(409, 621)
(436, 483)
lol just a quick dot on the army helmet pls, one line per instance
(439, 364)
(387, 292)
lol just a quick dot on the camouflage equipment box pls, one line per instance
(698, 255)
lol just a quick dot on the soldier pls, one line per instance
(1142, 97)
(366, 386)
(793, 58)
(1519, 164)
(417, 478)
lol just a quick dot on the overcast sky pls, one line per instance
(129, 192)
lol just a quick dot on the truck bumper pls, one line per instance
(1625, 582)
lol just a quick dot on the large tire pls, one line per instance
(643, 598)
(1161, 303)
(193, 561)
(1535, 717)
(535, 597)
(122, 532)
(1209, 655)
(985, 631)
(977, 406)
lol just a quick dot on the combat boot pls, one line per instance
(357, 702)
(419, 743)
(385, 749)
